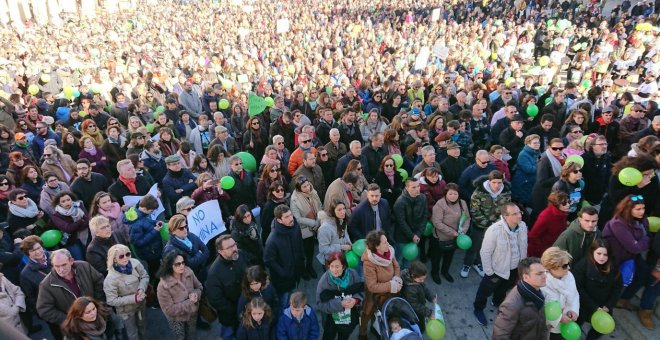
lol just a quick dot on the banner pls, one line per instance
(133, 200)
(282, 25)
(205, 221)
(435, 14)
(256, 105)
(422, 58)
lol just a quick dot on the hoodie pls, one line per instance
(576, 241)
(485, 204)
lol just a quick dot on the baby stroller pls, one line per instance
(397, 307)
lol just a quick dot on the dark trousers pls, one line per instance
(308, 248)
(472, 255)
(496, 286)
(438, 254)
(332, 331)
(56, 331)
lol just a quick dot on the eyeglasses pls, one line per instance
(275, 170)
(576, 171)
(178, 264)
(121, 257)
(182, 228)
(278, 190)
(577, 131)
(20, 198)
(637, 198)
(255, 123)
(557, 148)
(4, 183)
(566, 266)
(305, 141)
(280, 143)
(389, 165)
(323, 154)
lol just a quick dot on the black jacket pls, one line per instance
(97, 251)
(10, 257)
(243, 192)
(86, 190)
(512, 142)
(452, 168)
(224, 286)
(595, 172)
(411, 215)
(349, 134)
(284, 256)
(388, 191)
(31, 277)
(362, 219)
(546, 136)
(118, 190)
(374, 157)
(195, 257)
(323, 130)
(597, 289)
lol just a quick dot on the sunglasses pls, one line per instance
(577, 131)
(48, 154)
(566, 266)
(178, 264)
(121, 257)
(576, 171)
(20, 198)
(305, 141)
(557, 148)
(182, 228)
(89, 126)
(255, 123)
(187, 209)
(323, 154)
(637, 198)
(279, 190)
(275, 170)
(389, 165)
(4, 183)
(280, 143)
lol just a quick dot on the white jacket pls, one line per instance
(496, 250)
(564, 291)
(12, 301)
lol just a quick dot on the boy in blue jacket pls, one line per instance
(298, 321)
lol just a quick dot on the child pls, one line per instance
(255, 284)
(398, 332)
(256, 321)
(145, 232)
(415, 292)
(298, 321)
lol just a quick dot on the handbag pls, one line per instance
(206, 311)
(445, 246)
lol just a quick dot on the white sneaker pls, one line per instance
(479, 269)
(465, 271)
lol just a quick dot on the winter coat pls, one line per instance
(626, 240)
(97, 250)
(342, 163)
(289, 328)
(337, 192)
(576, 241)
(512, 142)
(525, 176)
(389, 192)
(10, 258)
(248, 238)
(284, 256)
(432, 192)
(496, 248)
(157, 168)
(263, 331)
(329, 296)
(31, 276)
(47, 194)
(596, 288)
(452, 168)
(121, 289)
(67, 163)
(595, 173)
(118, 190)
(173, 296)
(184, 179)
(484, 208)
(195, 257)
(285, 130)
(267, 293)
(417, 294)
(12, 301)
(301, 210)
(86, 190)
(610, 131)
(224, 286)
(445, 218)
(315, 177)
(323, 130)
(374, 158)
(547, 228)
(55, 297)
(545, 178)
(101, 164)
(519, 319)
(243, 191)
(468, 177)
(564, 291)
(411, 214)
(329, 240)
(362, 220)
(146, 240)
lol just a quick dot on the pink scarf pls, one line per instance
(389, 174)
(267, 160)
(114, 212)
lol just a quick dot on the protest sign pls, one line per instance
(133, 200)
(205, 221)
(256, 105)
(435, 14)
(282, 25)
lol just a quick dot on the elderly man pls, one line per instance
(336, 149)
(128, 182)
(304, 144)
(59, 163)
(88, 183)
(68, 280)
(513, 138)
(283, 154)
(428, 160)
(355, 152)
(341, 190)
(312, 172)
(190, 100)
(104, 238)
(178, 182)
(244, 190)
(481, 167)
(223, 138)
(278, 110)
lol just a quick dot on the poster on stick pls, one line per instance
(205, 221)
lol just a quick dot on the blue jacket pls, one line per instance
(289, 328)
(362, 219)
(525, 176)
(181, 127)
(342, 163)
(157, 168)
(184, 180)
(146, 240)
(468, 176)
(195, 257)
(38, 142)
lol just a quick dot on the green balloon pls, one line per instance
(586, 83)
(429, 229)
(249, 163)
(577, 159)
(51, 238)
(150, 127)
(131, 214)
(352, 259)
(552, 310)
(164, 233)
(223, 104)
(75, 94)
(404, 174)
(602, 322)
(464, 242)
(532, 110)
(654, 224)
(227, 182)
(359, 246)
(548, 100)
(435, 329)
(269, 102)
(570, 330)
(398, 160)
(630, 177)
(410, 251)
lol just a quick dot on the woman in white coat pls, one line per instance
(12, 301)
(560, 286)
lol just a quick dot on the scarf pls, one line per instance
(155, 156)
(390, 174)
(95, 328)
(373, 126)
(75, 211)
(554, 162)
(530, 293)
(28, 212)
(4, 194)
(311, 208)
(186, 242)
(384, 260)
(267, 160)
(341, 282)
(129, 183)
(91, 151)
(97, 137)
(126, 270)
(114, 212)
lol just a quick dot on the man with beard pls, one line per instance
(43, 134)
(178, 182)
(224, 283)
(348, 130)
(284, 128)
(154, 161)
(200, 136)
(190, 100)
(136, 145)
(60, 164)
(223, 138)
(99, 117)
(88, 183)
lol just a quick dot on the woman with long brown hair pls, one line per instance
(88, 319)
(255, 138)
(269, 174)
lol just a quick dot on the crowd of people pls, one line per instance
(516, 123)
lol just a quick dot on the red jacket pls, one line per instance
(550, 223)
(433, 193)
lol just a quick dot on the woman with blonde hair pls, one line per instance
(125, 289)
(560, 286)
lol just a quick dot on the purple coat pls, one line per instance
(98, 158)
(627, 241)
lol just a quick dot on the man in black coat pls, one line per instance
(283, 255)
(545, 130)
(557, 108)
(374, 152)
(453, 166)
(223, 285)
(371, 214)
(244, 190)
(513, 138)
(285, 128)
(128, 183)
(348, 129)
(326, 123)
(88, 183)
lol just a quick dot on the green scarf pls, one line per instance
(343, 281)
